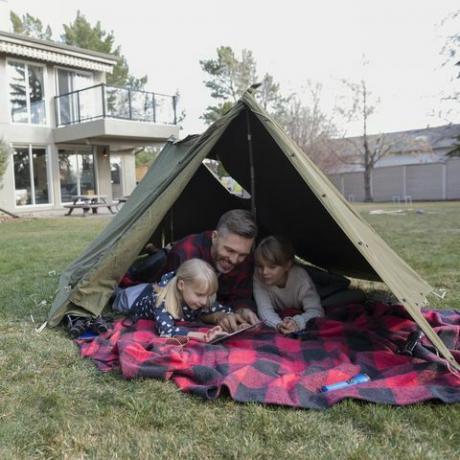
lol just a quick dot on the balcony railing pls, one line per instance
(103, 101)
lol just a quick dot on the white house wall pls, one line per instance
(103, 178)
(128, 162)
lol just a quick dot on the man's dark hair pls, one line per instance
(239, 222)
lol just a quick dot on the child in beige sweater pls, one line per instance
(280, 284)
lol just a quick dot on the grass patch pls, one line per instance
(55, 405)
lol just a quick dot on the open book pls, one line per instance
(226, 335)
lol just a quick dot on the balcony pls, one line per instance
(102, 113)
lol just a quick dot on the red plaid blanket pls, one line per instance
(267, 367)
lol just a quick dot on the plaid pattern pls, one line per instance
(267, 367)
(235, 288)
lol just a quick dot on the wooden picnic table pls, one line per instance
(89, 202)
(121, 200)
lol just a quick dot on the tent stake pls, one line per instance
(251, 168)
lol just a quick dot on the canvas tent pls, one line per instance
(179, 196)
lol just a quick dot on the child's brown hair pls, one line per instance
(276, 250)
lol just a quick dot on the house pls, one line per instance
(415, 167)
(71, 133)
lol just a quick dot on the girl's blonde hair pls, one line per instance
(276, 250)
(195, 271)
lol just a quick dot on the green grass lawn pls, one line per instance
(55, 405)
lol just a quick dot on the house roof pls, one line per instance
(49, 51)
(416, 146)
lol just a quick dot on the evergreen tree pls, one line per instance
(230, 77)
(81, 33)
(30, 26)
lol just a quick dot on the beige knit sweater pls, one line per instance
(299, 292)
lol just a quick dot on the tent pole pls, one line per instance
(251, 167)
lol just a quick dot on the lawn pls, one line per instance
(55, 405)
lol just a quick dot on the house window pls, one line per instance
(77, 174)
(31, 177)
(27, 93)
(74, 105)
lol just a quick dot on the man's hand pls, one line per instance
(228, 322)
(245, 315)
(288, 326)
(234, 321)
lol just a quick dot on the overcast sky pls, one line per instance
(294, 41)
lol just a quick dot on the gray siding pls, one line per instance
(337, 181)
(434, 181)
(424, 182)
(387, 183)
(354, 186)
(453, 179)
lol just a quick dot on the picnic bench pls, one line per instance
(89, 202)
(121, 200)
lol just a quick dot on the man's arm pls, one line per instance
(183, 250)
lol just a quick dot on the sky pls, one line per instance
(294, 41)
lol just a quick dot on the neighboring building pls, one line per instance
(416, 167)
(71, 133)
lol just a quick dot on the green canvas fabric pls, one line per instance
(179, 196)
(87, 284)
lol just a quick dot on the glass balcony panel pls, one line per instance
(103, 101)
(164, 109)
(117, 102)
(90, 103)
(141, 106)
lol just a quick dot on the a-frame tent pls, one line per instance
(179, 196)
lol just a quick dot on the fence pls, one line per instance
(433, 181)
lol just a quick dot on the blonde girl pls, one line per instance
(187, 295)
(280, 284)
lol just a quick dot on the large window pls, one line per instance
(27, 93)
(77, 174)
(76, 106)
(31, 176)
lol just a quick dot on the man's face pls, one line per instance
(228, 250)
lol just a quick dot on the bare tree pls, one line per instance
(451, 50)
(360, 151)
(309, 126)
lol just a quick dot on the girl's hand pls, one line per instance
(288, 326)
(215, 333)
(206, 337)
(200, 336)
